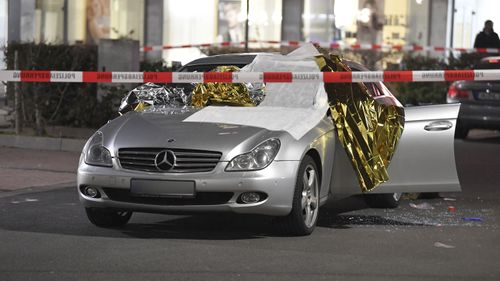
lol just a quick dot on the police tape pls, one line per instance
(247, 77)
(332, 46)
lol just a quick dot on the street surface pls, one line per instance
(45, 235)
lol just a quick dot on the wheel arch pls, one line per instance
(314, 154)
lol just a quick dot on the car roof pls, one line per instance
(492, 59)
(226, 59)
(492, 62)
(246, 58)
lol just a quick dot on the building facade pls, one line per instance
(176, 22)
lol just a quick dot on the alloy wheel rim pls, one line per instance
(310, 198)
(397, 196)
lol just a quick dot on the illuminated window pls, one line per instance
(127, 19)
(49, 21)
(188, 22)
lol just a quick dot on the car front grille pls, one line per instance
(187, 160)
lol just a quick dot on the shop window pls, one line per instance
(92, 20)
(49, 21)
(366, 21)
(77, 21)
(217, 21)
(264, 20)
(127, 19)
(188, 22)
(319, 19)
(469, 19)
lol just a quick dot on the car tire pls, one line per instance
(461, 131)
(107, 218)
(383, 200)
(429, 195)
(305, 205)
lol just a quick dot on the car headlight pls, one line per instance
(96, 154)
(259, 158)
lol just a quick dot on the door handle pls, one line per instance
(438, 126)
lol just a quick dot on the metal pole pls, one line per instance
(246, 26)
(43, 7)
(65, 22)
(429, 24)
(452, 22)
(331, 25)
(17, 100)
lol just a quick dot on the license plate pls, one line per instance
(489, 96)
(162, 188)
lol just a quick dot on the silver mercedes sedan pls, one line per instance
(153, 162)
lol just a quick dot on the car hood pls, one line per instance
(166, 129)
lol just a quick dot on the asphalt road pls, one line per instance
(46, 236)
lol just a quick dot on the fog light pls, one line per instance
(91, 191)
(250, 197)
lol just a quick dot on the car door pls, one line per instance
(424, 160)
(368, 126)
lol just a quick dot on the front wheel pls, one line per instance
(107, 218)
(305, 206)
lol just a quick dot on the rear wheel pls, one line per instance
(429, 195)
(305, 206)
(107, 218)
(385, 200)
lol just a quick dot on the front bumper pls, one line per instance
(277, 181)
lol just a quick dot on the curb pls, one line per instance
(43, 143)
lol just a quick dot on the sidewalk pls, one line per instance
(26, 168)
(57, 138)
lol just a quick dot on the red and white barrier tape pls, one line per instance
(334, 46)
(247, 77)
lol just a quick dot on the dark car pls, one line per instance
(480, 101)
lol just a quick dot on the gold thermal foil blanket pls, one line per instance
(369, 129)
(236, 94)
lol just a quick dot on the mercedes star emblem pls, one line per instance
(165, 160)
